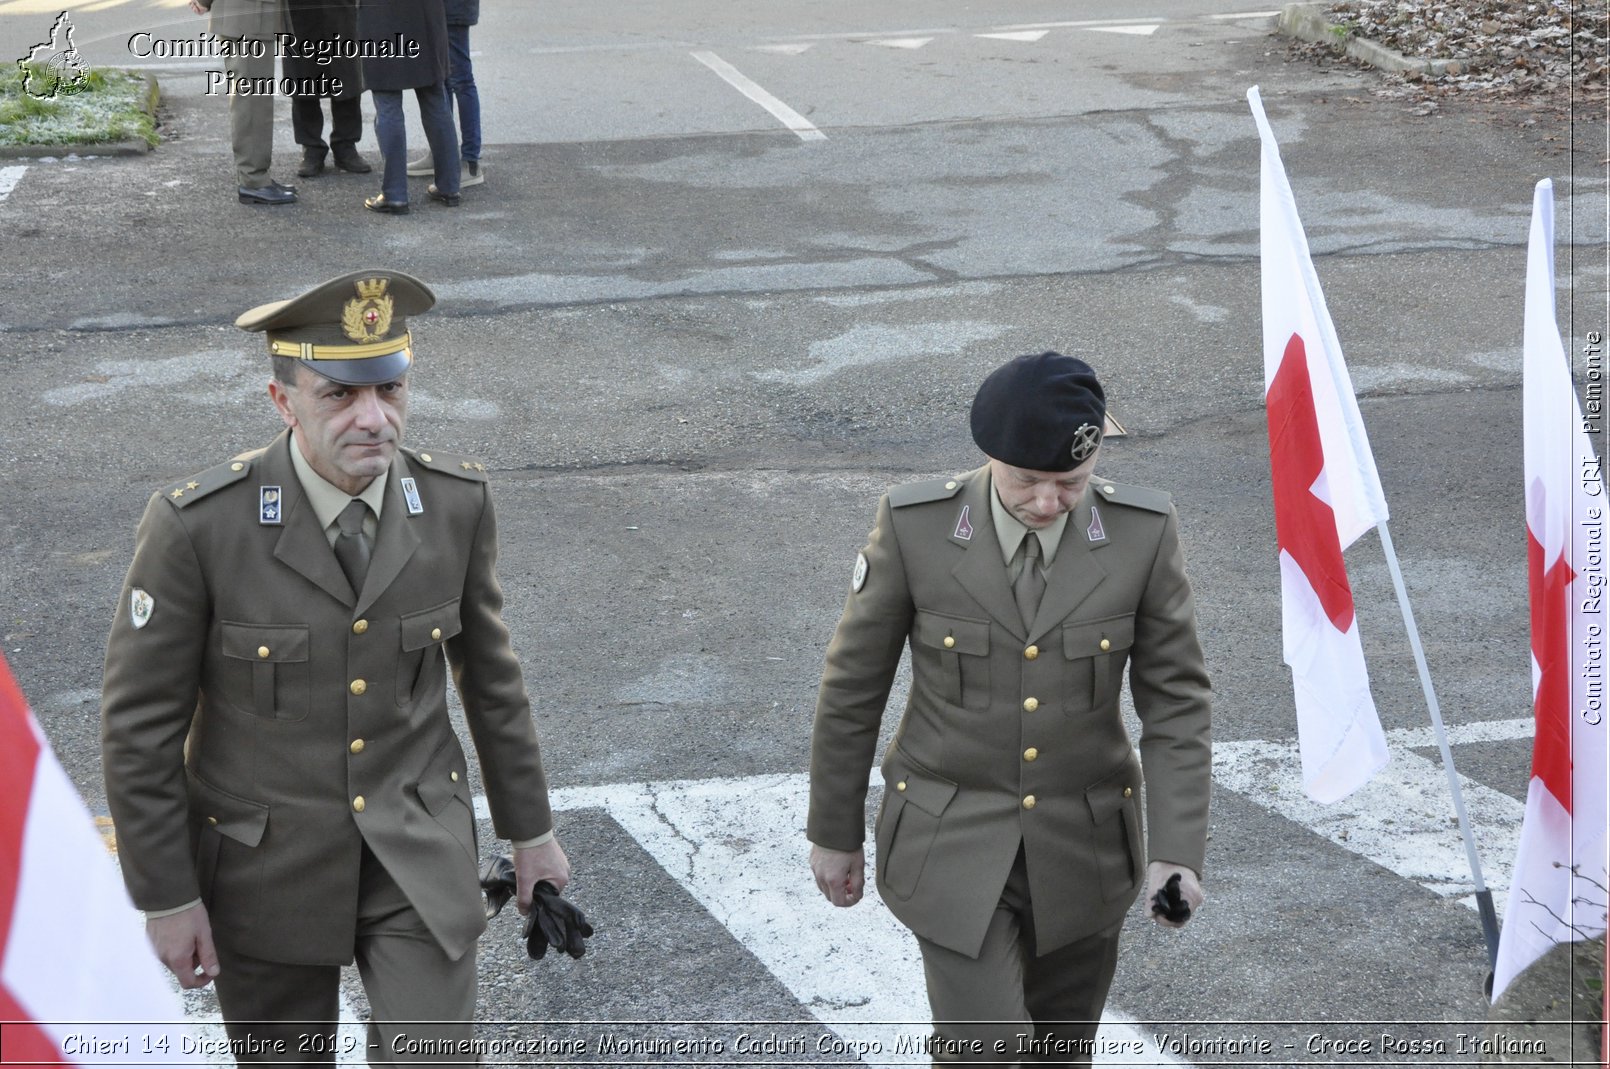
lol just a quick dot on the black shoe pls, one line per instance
(282, 185)
(449, 199)
(379, 203)
(312, 163)
(273, 193)
(348, 159)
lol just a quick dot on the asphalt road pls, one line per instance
(693, 346)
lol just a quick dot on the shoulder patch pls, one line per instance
(920, 493)
(189, 491)
(447, 464)
(1140, 497)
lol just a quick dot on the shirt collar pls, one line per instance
(1009, 530)
(328, 499)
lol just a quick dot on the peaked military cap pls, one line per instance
(352, 330)
(1043, 412)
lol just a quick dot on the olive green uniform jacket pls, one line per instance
(1009, 736)
(264, 725)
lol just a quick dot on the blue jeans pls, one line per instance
(461, 85)
(392, 133)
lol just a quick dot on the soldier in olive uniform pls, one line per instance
(288, 791)
(1010, 836)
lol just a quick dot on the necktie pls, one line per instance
(351, 546)
(1030, 585)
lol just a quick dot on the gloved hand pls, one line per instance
(554, 922)
(1173, 893)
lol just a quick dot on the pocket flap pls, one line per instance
(238, 818)
(430, 626)
(1085, 639)
(965, 636)
(1112, 794)
(921, 788)
(443, 777)
(270, 643)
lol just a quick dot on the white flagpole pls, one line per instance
(1484, 897)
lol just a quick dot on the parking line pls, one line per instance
(785, 114)
(9, 177)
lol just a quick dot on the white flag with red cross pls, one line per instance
(1558, 892)
(1326, 494)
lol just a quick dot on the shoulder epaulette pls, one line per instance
(189, 491)
(920, 493)
(1140, 497)
(448, 464)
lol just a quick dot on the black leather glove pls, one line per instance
(553, 922)
(1170, 903)
(498, 883)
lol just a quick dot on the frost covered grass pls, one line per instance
(105, 106)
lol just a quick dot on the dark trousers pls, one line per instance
(1042, 1009)
(461, 88)
(307, 121)
(392, 132)
(422, 1001)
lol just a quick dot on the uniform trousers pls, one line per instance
(1041, 1009)
(251, 114)
(422, 1003)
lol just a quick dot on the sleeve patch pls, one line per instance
(858, 580)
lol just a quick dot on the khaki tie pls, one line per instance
(351, 545)
(1030, 585)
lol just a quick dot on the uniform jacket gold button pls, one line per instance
(425, 457)
(1108, 489)
(435, 634)
(1031, 653)
(1030, 754)
(1128, 792)
(1028, 802)
(358, 686)
(357, 746)
(1030, 704)
(900, 786)
(212, 820)
(951, 485)
(357, 804)
(1105, 645)
(262, 651)
(453, 776)
(237, 466)
(950, 640)
(360, 626)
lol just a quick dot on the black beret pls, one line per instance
(1043, 412)
(352, 329)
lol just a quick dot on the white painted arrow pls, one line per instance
(901, 42)
(1138, 31)
(1016, 35)
(786, 50)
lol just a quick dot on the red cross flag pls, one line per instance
(1558, 893)
(79, 984)
(1326, 492)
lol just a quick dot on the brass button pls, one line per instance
(357, 804)
(1105, 645)
(453, 776)
(900, 786)
(358, 686)
(1109, 488)
(1028, 802)
(950, 640)
(237, 466)
(1030, 754)
(435, 634)
(357, 746)
(425, 457)
(1128, 792)
(1031, 653)
(360, 626)
(212, 820)
(951, 485)
(1030, 704)
(262, 651)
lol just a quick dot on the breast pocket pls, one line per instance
(421, 667)
(275, 672)
(1096, 651)
(914, 800)
(952, 653)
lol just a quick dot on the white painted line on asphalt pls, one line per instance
(785, 50)
(1081, 24)
(1138, 31)
(1247, 15)
(900, 42)
(1016, 35)
(9, 177)
(785, 114)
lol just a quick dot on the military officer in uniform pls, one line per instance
(288, 792)
(1010, 837)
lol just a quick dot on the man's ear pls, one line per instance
(281, 397)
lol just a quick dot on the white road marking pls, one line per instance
(786, 50)
(785, 114)
(1247, 15)
(1138, 31)
(901, 42)
(1016, 35)
(1081, 24)
(9, 177)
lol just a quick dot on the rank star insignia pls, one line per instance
(367, 317)
(1086, 440)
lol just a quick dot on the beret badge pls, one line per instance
(367, 317)
(1086, 440)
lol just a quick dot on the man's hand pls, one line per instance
(533, 863)
(195, 6)
(840, 875)
(1190, 887)
(183, 942)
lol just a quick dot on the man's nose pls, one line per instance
(369, 414)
